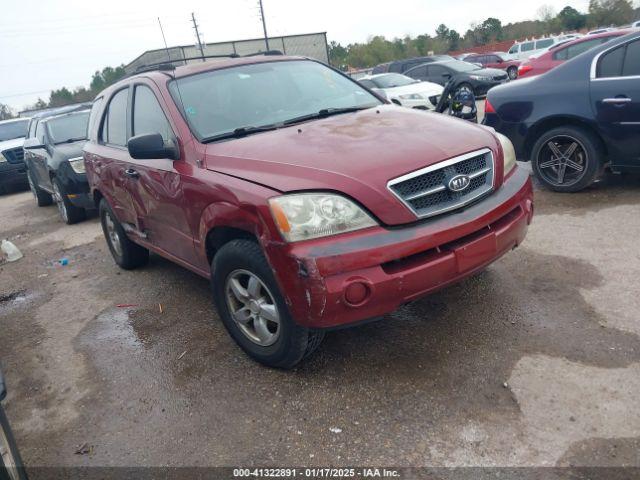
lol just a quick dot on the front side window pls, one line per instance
(68, 128)
(221, 101)
(513, 49)
(11, 130)
(148, 116)
(114, 129)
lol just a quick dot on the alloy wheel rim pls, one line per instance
(112, 234)
(7, 457)
(562, 161)
(252, 307)
(62, 208)
(512, 74)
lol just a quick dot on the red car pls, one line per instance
(309, 201)
(495, 60)
(562, 52)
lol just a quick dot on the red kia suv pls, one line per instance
(308, 201)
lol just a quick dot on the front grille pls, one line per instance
(14, 155)
(427, 193)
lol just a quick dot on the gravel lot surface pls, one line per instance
(535, 361)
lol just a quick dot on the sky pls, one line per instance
(48, 44)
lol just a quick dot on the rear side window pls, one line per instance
(547, 42)
(610, 65)
(527, 47)
(631, 65)
(575, 50)
(148, 116)
(418, 72)
(114, 129)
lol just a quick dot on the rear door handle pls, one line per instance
(131, 173)
(617, 100)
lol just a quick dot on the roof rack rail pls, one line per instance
(167, 65)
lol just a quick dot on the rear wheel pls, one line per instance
(254, 311)
(567, 159)
(512, 72)
(42, 198)
(127, 254)
(69, 213)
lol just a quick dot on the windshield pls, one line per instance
(460, 66)
(11, 130)
(392, 80)
(68, 127)
(221, 101)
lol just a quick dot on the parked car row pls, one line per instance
(578, 118)
(13, 172)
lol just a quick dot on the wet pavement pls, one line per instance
(535, 361)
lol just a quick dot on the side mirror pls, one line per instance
(32, 144)
(151, 145)
(3, 388)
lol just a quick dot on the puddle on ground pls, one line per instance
(114, 326)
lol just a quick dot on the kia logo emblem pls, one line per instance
(459, 183)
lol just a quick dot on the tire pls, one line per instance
(11, 466)
(69, 213)
(283, 343)
(572, 173)
(43, 198)
(127, 254)
(512, 72)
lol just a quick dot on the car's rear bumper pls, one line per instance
(515, 131)
(337, 281)
(13, 174)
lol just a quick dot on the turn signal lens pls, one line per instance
(524, 69)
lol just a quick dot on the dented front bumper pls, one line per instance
(336, 281)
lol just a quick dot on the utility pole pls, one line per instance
(195, 26)
(264, 25)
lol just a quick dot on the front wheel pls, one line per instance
(254, 311)
(567, 159)
(127, 254)
(69, 213)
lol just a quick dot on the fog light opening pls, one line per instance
(357, 293)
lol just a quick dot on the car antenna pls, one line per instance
(166, 47)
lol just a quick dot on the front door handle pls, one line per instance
(617, 100)
(131, 173)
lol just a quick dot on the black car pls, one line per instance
(11, 466)
(576, 119)
(56, 166)
(401, 66)
(13, 172)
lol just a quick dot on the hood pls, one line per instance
(426, 88)
(355, 154)
(13, 143)
(65, 151)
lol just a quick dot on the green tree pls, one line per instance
(6, 112)
(337, 54)
(603, 13)
(60, 97)
(571, 19)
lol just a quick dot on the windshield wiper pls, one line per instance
(70, 140)
(239, 133)
(324, 113)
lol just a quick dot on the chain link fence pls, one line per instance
(313, 45)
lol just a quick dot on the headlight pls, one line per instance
(3, 159)
(77, 164)
(509, 153)
(480, 78)
(312, 215)
(411, 96)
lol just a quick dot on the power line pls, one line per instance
(264, 25)
(195, 26)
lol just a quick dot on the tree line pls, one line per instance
(378, 49)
